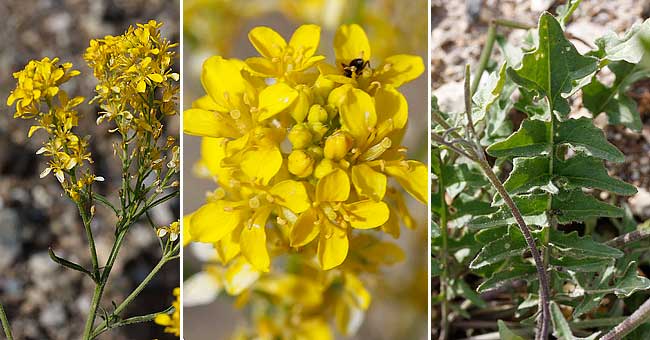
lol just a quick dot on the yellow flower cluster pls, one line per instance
(172, 322)
(132, 69)
(38, 97)
(302, 152)
(137, 88)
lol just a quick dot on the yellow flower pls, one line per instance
(353, 54)
(330, 217)
(280, 60)
(172, 322)
(215, 220)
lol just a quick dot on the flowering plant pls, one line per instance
(136, 90)
(305, 155)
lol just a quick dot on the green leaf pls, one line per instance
(583, 171)
(532, 208)
(589, 264)
(464, 290)
(619, 107)
(516, 272)
(629, 48)
(565, 11)
(576, 246)
(512, 244)
(505, 333)
(469, 205)
(532, 139)
(485, 236)
(561, 329)
(631, 282)
(581, 134)
(489, 91)
(575, 205)
(529, 174)
(554, 69)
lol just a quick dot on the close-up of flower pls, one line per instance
(310, 175)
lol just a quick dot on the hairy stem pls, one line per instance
(5, 323)
(444, 275)
(625, 239)
(640, 316)
(544, 291)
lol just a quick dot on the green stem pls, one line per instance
(444, 275)
(5, 323)
(92, 313)
(485, 54)
(99, 288)
(104, 325)
(91, 241)
(135, 319)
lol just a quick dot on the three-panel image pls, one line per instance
(324, 170)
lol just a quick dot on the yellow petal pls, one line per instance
(305, 40)
(301, 106)
(412, 176)
(332, 248)
(399, 69)
(359, 293)
(291, 194)
(142, 86)
(205, 123)
(368, 182)
(275, 99)
(392, 226)
(213, 221)
(155, 77)
(213, 151)
(314, 329)
(358, 114)
(239, 276)
(186, 238)
(253, 240)
(262, 67)
(351, 42)
(304, 230)
(228, 247)
(267, 41)
(261, 163)
(223, 81)
(367, 214)
(335, 187)
(391, 107)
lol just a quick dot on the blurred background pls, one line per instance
(42, 299)
(220, 27)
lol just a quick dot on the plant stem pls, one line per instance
(639, 316)
(5, 323)
(485, 54)
(91, 241)
(94, 304)
(133, 294)
(99, 287)
(135, 319)
(625, 239)
(544, 292)
(444, 275)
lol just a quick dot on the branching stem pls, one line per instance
(639, 316)
(5, 323)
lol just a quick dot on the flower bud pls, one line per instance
(300, 163)
(300, 137)
(317, 114)
(337, 146)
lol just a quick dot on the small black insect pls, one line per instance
(355, 66)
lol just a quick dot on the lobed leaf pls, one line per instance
(583, 171)
(576, 246)
(532, 208)
(532, 139)
(581, 134)
(511, 244)
(572, 206)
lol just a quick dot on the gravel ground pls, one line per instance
(43, 300)
(458, 35)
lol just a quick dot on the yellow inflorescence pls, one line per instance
(38, 97)
(302, 152)
(172, 322)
